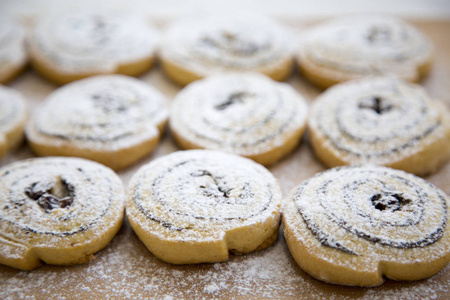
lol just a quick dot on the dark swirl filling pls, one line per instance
(387, 201)
(43, 196)
(381, 106)
(377, 36)
(237, 98)
(110, 104)
(219, 191)
(233, 43)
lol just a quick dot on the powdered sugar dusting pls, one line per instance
(126, 270)
(12, 48)
(88, 41)
(237, 42)
(199, 195)
(108, 112)
(366, 45)
(247, 114)
(41, 208)
(12, 115)
(378, 120)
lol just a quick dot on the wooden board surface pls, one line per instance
(126, 269)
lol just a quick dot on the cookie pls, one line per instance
(13, 57)
(112, 119)
(247, 114)
(13, 115)
(57, 210)
(366, 45)
(199, 46)
(197, 206)
(77, 44)
(354, 225)
(380, 121)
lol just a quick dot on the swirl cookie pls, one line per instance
(197, 206)
(246, 114)
(112, 119)
(357, 46)
(380, 121)
(13, 115)
(73, 45)
(200, 46)
(13, 57)
(57, 210)
(354, 225)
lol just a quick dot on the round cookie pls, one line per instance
(57, 210)
(199, 46)
(13, 116)
(380, 121)
(77, 44)
(354, 225)
(112, 119)
(197, 206)
(247, 114)
(365, 45)
(13, 57)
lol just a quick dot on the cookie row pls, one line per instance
(349, 225)
(72, 45)
(116, 120)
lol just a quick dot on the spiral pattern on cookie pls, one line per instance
(103, 112)
(88, 41)
(245, 114)
(223, 43)
(56, 197)
(353, 209)
(12, 49)
(367, 45)
(201, 191)
(377, 120)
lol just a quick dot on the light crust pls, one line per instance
(24, 249)
(183, 76)
(52, 73)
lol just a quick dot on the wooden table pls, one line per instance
(126, 269)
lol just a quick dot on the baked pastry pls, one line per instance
(57, 210)
(380, 121)
(197, 206)
(13, 57)
(365, 45)
(112, 119)
(247, 114)
(13, 115)
(77, 44)
(199, 46)
(354, 225)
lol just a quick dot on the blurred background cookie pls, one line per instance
(382, 121)
(198, 46)
(112, 119)
(75, 44)
(13, 57)
(13, 116)
(364, 45)
(247, 114)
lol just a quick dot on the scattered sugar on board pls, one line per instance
(126, 270)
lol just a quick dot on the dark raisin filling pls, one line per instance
(47, 200)
(389, 202)
(234, 98)
(377, 104)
